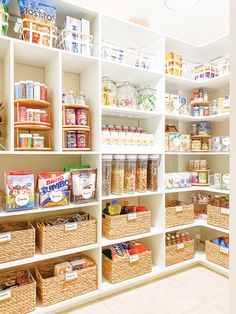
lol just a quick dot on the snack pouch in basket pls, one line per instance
(53, 188)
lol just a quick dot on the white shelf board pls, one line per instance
(120, 72)
(197, 188)
(7, 152)
(136, 194)
(175, 83)
(197, 153)
(218, 117)
(197, 223)
(4, 214)
(154, 231)
(42, 257)
(75, 63)
(126, 149)
(4, 44)
(129, 113)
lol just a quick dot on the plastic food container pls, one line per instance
(108, 92)
(141, 173)
(117, 177)
(113, 52)
(146, 99)
(38, 141)
(126, 96)
(106, 174)
(130, 173)
(152, 172)
(26, 140)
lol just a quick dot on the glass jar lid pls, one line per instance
(142, 157)
(131, 157)
(105, 79)
(147, 87)
(119, 157)
(107, 157)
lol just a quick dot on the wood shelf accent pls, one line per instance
(76, 106)
(200, 151)
(33, 103)
(202, 170)
(200, 136)
(32, 149)
(76, 127)
(200, 184)
(201, 103)
(75, 149)
(32, 126)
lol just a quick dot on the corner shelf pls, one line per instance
(32, 102)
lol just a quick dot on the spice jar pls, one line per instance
(22, 114)
(36, 115)
(26, 140)
(81, 117)
(146, 99)
(43, 116)
(71, 139)
(117, 176)
(108, 92)
(70, 118)
(80, 100)
(106, 174)
(81, 139)
(130, 173)
(141, 173)
(38, 142)
(152, 172)
(126, 96)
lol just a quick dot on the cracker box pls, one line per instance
(174, 141)
(184, 142)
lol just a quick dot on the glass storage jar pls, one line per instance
(117, 174)
(152, 172)
(146, 99)
(141, 173)
(126, 96)
(130, 173)
(108, 92)
(106, 174)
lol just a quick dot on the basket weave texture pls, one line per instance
(56, 238)
(175, 255)
(119, 226)
(21, 244)
(216, 217)
(176, 218)
(123, 269)
(214, 255)
(23, 298)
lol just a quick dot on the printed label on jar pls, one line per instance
(71, 226)
(87, 193)
(132, 216)
(180, 246)
(224, 211)
(224, 250)
(5, 237)
(71, 276)
(4, 295)
(133, 258)
(56, 196)
(22, 199)
(178, 208)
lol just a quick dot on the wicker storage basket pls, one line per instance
(65, 236)
(114, 227)
(217, 254)
(17, 241)
(18, 300)
(218, 216)
(123, 269)
(179, 213)
(53, 289)
(179, 252)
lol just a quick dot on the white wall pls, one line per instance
(206, 22)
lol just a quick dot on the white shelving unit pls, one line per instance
(62, 70)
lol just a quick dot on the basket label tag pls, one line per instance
(71, 276)
(5, 237)
(224, 250)
(132, 216)
(224, 210)
(178, 208)
(133, 258)
(71, 226)
(180, 246)
(4, 295)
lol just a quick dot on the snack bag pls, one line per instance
(84, 184)
(19, 190)
(53, 188)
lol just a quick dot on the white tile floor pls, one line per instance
(194, 291)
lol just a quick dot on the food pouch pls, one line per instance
(84, 184)
(19, 190)
(53, 188)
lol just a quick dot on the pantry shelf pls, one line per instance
(198, 153)
(195, 188)
(32, 103)
(154, 231)
(75, 106)
(126, 149)
(129, 113)
(33, 126)
(136, 194)
(42, 257)
(32, 149)
(218, 117)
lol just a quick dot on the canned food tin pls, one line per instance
(81, 139)
(81, 117)
(70, 116)
(71, 139)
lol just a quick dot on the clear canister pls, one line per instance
(147, 98)
(106, 174)
(130, 173)
(126, 96)
(117, 174)
(108, 92)
(152, 172)
(141, 173)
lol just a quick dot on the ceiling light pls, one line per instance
(180, 5)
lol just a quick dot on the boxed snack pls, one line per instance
(174, 142)
(216, 145)
(53, 188)
(174, 104)
(225, 143)
(225, 181)
(19, 190)
(184, 142)
(84, 184)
